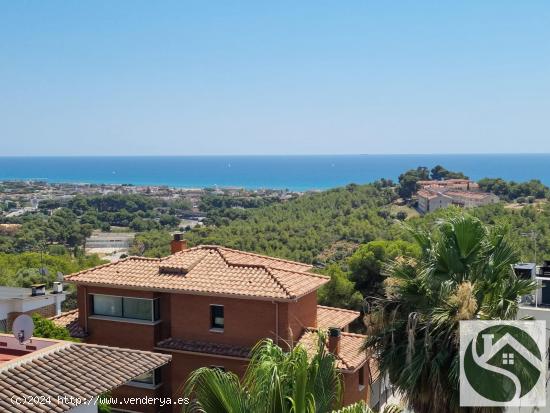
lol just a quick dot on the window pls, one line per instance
(137, 308)
(125, 307)
(3, 326)
(151, 378)
(361, 378)
(107, 305)
(216, 317)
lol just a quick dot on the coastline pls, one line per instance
(278, 172)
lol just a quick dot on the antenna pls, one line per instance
(23, 328)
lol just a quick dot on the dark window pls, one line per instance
(125, 307)
(137, 308)
(107, 305)
(216, 317)
(362, 376)
(152, 378)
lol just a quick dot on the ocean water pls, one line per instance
(290, 172)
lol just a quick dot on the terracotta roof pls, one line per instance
(470, 195)
(70, 370)
(428, 194)
(209, 270)
(193, 346)
(350, 357)
(69, 320)
(335, 317)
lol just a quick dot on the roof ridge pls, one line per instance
(312, 274)
(347, 310)
(110, 264)
(101, 346)
(64, 314)
(195, 248)
(265, 268)
(279, 283)
(255, 254)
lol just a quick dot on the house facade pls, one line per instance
(208, 306)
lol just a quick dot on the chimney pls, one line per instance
(334, 337)
(38, 290)
(178, 244)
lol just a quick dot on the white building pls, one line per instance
(16, 301)
(535, 306)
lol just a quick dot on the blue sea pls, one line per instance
(291, 172)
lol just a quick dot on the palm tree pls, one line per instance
(362, 407)
(275, 382)
(464, 272)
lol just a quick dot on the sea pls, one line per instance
(295, 173)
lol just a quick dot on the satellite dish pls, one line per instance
(23, 328)
(60, 276)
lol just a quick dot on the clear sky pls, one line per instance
(274, 77)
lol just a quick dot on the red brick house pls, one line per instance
(208, 306)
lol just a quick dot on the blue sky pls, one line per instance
(322, 77)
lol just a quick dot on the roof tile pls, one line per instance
(209, 270)
(69, 320)
(204, 347)
(71, 370)
(351, 355)
(335, 317)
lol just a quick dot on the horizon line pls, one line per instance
(279, 155)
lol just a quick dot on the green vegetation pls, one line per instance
(68, 224)
(518, 224)
(366, 263)
(275, 381)
(409, 179)
(221, 209)
(510, 191)
(25, 269)
(154, 244)
(463, 273)
(302, 229)
(47, 329)
(340, 291)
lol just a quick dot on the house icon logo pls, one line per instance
(503, 363)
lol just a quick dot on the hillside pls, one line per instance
(314, 228)
(328, 226)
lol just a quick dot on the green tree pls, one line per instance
(408, 181)
(151, 244)
(339, 291)
(362, 407)
(46, 328)
(438, 173)
(275, 381)
(367, 262)
(464, 273)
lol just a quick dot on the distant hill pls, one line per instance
(305, 229)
